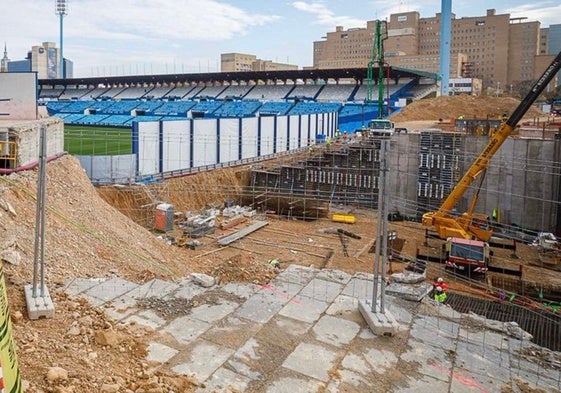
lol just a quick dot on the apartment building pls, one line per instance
(495, 48)
(233, 62)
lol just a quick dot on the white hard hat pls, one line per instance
(440, 279)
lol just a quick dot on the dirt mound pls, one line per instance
(471, 107)
(85, 237)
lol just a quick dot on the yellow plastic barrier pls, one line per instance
(345, 218)
(9, 367)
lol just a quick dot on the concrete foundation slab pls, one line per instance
(380, 324)
(41, 305)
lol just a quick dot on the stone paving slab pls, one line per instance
(262, 306)
(160, 353)
(335, 331)
(425, 384)
(305, 334)
(213, 312)
(110, 289)
(186, 329)
(324, 360)
(146, 318)
(202, 360)
(293, 385)
(304, 309)
(231, 331)
(76, 286)
(225, 381)
(300, 275)
(322, 290)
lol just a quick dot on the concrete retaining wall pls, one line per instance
(26, 135)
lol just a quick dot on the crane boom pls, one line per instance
(447, 225)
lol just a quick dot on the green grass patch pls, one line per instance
(97, 141)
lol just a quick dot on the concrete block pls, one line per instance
(413, 292)
(39, 306)
(335, 331)
(204, 359)
(322, 290)
(160, 353)
(323, 360)
(225, 381)
(380, 324)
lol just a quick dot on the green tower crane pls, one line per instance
(377, 58)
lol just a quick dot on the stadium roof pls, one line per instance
(359, 74)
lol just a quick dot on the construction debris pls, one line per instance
(242, 233)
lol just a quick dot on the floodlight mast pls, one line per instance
(61, 9)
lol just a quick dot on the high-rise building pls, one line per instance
(5, 60)
(43, 59)
(495, 48)
(232, 62)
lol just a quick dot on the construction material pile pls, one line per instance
(470, 107)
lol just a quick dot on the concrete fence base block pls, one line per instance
(381, 324)
(39, 306)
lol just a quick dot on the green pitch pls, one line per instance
(92, 141)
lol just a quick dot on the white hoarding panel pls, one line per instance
(294, 132)
(314, 130)
(282, 127)
(148, 148)
(18, 96)
(229, 140)
(249, 137)
(204, 142)
(176, 145)
(267, 140)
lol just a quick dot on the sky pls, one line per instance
(132, 37)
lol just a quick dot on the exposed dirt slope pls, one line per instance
(471, 107)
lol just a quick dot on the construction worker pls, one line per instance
(274, 263)
(439, 295)
(328, 142)
(439, 283)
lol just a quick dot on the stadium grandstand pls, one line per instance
(119, 101)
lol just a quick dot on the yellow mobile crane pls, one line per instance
(464, 226)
